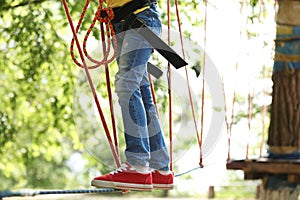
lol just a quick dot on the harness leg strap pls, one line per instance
(154, 70)
(156, 42)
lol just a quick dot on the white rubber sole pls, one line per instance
(163, 186)
(120, 185)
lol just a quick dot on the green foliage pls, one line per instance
(197, 68)
(253, 3)
(37, 129)
(37, 132)
(37, 80)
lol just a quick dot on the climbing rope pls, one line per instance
(153, 93)
(109, 92)
(24, 193)
(229, 119)
(104, 61)
(106, 44)
(250, 116)
(169, 75)
(198, 135)
(110, 33)
(203, 88)
(263, 115)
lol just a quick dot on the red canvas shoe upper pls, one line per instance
(126, 174)
(161, 181)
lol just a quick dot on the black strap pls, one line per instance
(131, 21)
(127, 9)
(154, 70)
(156, 42)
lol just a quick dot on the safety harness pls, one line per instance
(121, 13)
(126, 13)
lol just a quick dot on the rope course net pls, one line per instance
(107, 38)
(110, 35)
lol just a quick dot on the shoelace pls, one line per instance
(123, 167)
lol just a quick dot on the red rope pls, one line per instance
(229, 124)
(264, 113)
(153, 93)
(169, 89)
(109, 31)
(108, 86)
(250, 113)
(199, 138)
(203, 87)
(86, 68)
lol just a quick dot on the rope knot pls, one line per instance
(105, 15)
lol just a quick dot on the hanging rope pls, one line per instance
(264, 114)
(109, 32)
(106, 44)
(109, 92)
(229, 122)
(153, 93)
(250, 114)
(169, 87)
(264, 94)
(199, 138)
(86, 68)
(203, 85)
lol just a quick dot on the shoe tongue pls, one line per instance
(139, 169)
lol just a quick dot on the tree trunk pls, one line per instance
(284, 130)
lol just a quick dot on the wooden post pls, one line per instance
(211, 192)
(281, 194)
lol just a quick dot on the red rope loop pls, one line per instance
(110, 36)
(109, 15)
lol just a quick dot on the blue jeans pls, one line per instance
(144, 139)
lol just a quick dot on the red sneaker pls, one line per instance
(161, 181)
(125, 177)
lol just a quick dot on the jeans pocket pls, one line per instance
(151, 18)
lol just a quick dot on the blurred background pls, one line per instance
(50, 133)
